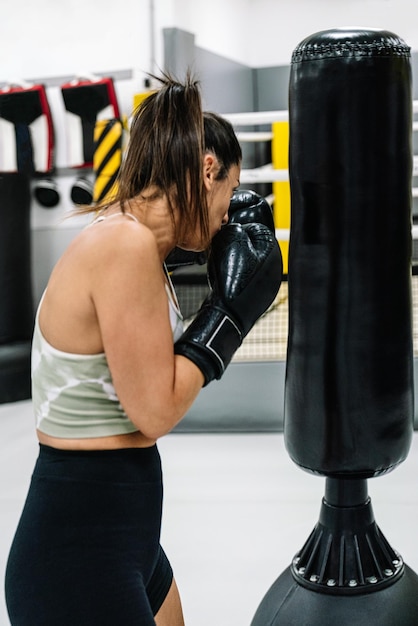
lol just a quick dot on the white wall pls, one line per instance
(221, 26)
(48, 38)
(262, 33)
(279, 25)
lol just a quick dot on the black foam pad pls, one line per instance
(85, 102)
(46, 193)
(26, 130)
(16, 301)
(82, 191)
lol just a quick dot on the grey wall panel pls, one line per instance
(179, 51)
(249, 398)
(414, 65)
(271, 85)
(227, 86)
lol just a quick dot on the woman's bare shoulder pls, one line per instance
(103, 246)
(102, 269)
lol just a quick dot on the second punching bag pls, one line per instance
(349, 380)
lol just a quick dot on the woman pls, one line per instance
(107, 382)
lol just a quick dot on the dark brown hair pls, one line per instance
(169, 135)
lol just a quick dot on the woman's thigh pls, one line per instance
(171, 612)
(85, 547)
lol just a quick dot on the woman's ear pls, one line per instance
(210, 167)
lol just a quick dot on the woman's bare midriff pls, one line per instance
(115, 442)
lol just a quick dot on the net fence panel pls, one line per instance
(267, 341)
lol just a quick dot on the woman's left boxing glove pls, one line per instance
(245, 273)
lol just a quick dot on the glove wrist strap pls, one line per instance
(210, 341)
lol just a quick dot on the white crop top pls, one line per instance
(73, 394)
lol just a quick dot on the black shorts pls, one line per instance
(87, 548)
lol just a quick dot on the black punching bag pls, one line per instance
(349, 387)
(349, 376)
(16, 301)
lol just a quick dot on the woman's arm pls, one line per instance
(155, 387)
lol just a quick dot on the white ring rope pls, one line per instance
(256, 118)
(254, 136)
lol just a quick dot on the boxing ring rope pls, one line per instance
(268, 339)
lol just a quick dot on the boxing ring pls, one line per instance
(263, 352)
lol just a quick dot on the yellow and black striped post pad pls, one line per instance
(107, 158)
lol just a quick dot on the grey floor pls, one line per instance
(236, 511)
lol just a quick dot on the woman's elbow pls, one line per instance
(154, 427)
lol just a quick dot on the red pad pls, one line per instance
(86, 101)
(26, 130)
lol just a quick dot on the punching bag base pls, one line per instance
(346, 573)
(288, 603)
(346, 553)
(15, 372)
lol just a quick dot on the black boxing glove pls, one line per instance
(245, 273)
(247, 207)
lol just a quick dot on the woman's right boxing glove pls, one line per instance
(245, 273)
(248, 206)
